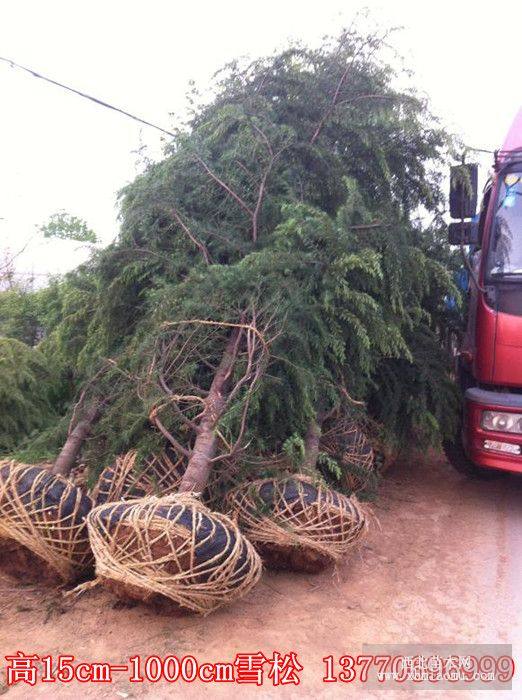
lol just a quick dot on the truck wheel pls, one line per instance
(456, 456)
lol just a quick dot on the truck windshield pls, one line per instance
(505, 254)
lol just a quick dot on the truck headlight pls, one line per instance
(502, 422)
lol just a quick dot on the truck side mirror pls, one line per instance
(463, 190)
(462, 232)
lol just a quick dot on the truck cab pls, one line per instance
(489, 359)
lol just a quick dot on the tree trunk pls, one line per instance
(311, 442)
(199, 466)
(65, 460)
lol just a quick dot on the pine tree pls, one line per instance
(26, 384)
(292, 195)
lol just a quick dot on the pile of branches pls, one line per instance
(270, 275)
(288, 198)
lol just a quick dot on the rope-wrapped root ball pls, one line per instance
(43, 532)
(348, 443)
(158, 475)
(173, 552)
(296, 523)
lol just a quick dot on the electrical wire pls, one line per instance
(86, 96)
(102, 103)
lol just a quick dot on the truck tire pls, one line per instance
(454, 449)
(458, 459)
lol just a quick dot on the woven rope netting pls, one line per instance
(159, 475)
(172, 549)
(347, 442)
(79, 476)
(221, 480)
(296, 523)
(43, 534)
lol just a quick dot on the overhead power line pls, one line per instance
(97, 101)
(102, 103)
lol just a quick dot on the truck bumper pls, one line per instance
(479, 443)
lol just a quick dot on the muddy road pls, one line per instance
(443, 564)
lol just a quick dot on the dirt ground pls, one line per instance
(445, 565)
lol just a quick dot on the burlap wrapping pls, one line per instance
(296, 523)
(172, 548)
(159, 475)
(45, 514)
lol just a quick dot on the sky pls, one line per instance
(60, 152)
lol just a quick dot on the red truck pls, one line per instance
(489, 359)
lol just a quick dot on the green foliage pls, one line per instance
(330, 465)
(42, 445)
(25, 389)
(20, 315)
(416, 400)
(294, 449)
(294, 191)
(67, 227)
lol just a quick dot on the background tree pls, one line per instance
(25, 393)
(68, 227)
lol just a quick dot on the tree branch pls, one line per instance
(202, 247)
(224, 186)
(337, 92)
(153, 417)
